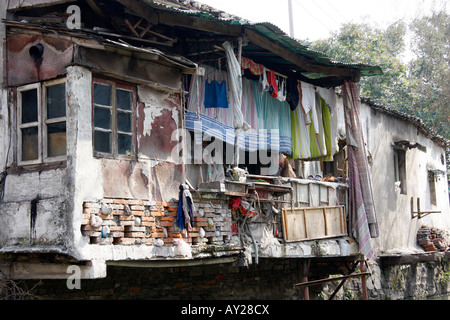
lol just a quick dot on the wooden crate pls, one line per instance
(312, 223)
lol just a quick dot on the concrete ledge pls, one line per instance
(35, 270)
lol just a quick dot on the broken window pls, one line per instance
(42, 122)
(400, 170)
(113, 105)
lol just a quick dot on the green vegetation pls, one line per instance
(418, 86)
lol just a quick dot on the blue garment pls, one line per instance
(216, 94)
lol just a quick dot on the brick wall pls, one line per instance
(270, 279)
(137, 222)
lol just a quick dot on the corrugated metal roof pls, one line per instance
(269, 30)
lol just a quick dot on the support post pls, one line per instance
(363, 278)
(305, 270)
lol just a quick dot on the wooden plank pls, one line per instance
(308, 223)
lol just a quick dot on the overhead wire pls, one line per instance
(313, 16)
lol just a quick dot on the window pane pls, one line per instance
(102, 118)
(102, 141)
(124, 122)
(102, 94)
(29, 106)
(125, 144)
(56, 101)
(56, 144)
(30, 144)
(123, 99)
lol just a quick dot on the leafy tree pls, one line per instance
(420, 87)
(431, 69)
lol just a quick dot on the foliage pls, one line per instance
(420, 87)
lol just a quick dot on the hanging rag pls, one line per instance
(362, 215)
(186, 208)
(255, 68)
(273, 86)
(292, 94)
(282, 90)
(263, 83)
(235, 84)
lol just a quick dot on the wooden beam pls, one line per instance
(298, 60)
(320, 281)
(180, 20)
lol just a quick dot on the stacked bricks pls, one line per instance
(137, 222)
(431, 239)
(214, 217)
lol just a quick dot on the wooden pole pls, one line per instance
(305, 271)
(363, 278)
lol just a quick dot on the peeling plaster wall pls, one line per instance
(398, 232)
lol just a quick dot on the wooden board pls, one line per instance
(313, 223)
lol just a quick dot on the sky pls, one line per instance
(317, 19)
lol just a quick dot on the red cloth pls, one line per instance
(273, 84)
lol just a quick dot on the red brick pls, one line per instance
(135, 202)
(127, 223)
(157, 214)
(117, 234)
(127, 218)
(137, 213)
(124, 241)
(166, 223)
(91, 205)
(120, 201)
(116, 228)
(134, 234)
(147, 224)
(157, 235)
(134, 229)
(175, 235)
(90, 228)
(91, 210)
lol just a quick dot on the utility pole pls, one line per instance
(291, 19)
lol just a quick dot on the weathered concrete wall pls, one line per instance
(398, 230)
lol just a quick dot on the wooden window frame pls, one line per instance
(400, 170)
(21, 126)
(47, 122)
(116, 84)
(41, 124)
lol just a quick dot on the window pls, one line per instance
(42, 122)
(113, 114)
(400, 169)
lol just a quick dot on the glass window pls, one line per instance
(30, 144)
(102, 94)
(55, 122)
(30, 109)
(113, 118)
(56, 133)
(42, 122)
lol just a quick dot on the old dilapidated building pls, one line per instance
(167, 134)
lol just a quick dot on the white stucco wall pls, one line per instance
(398, 230)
